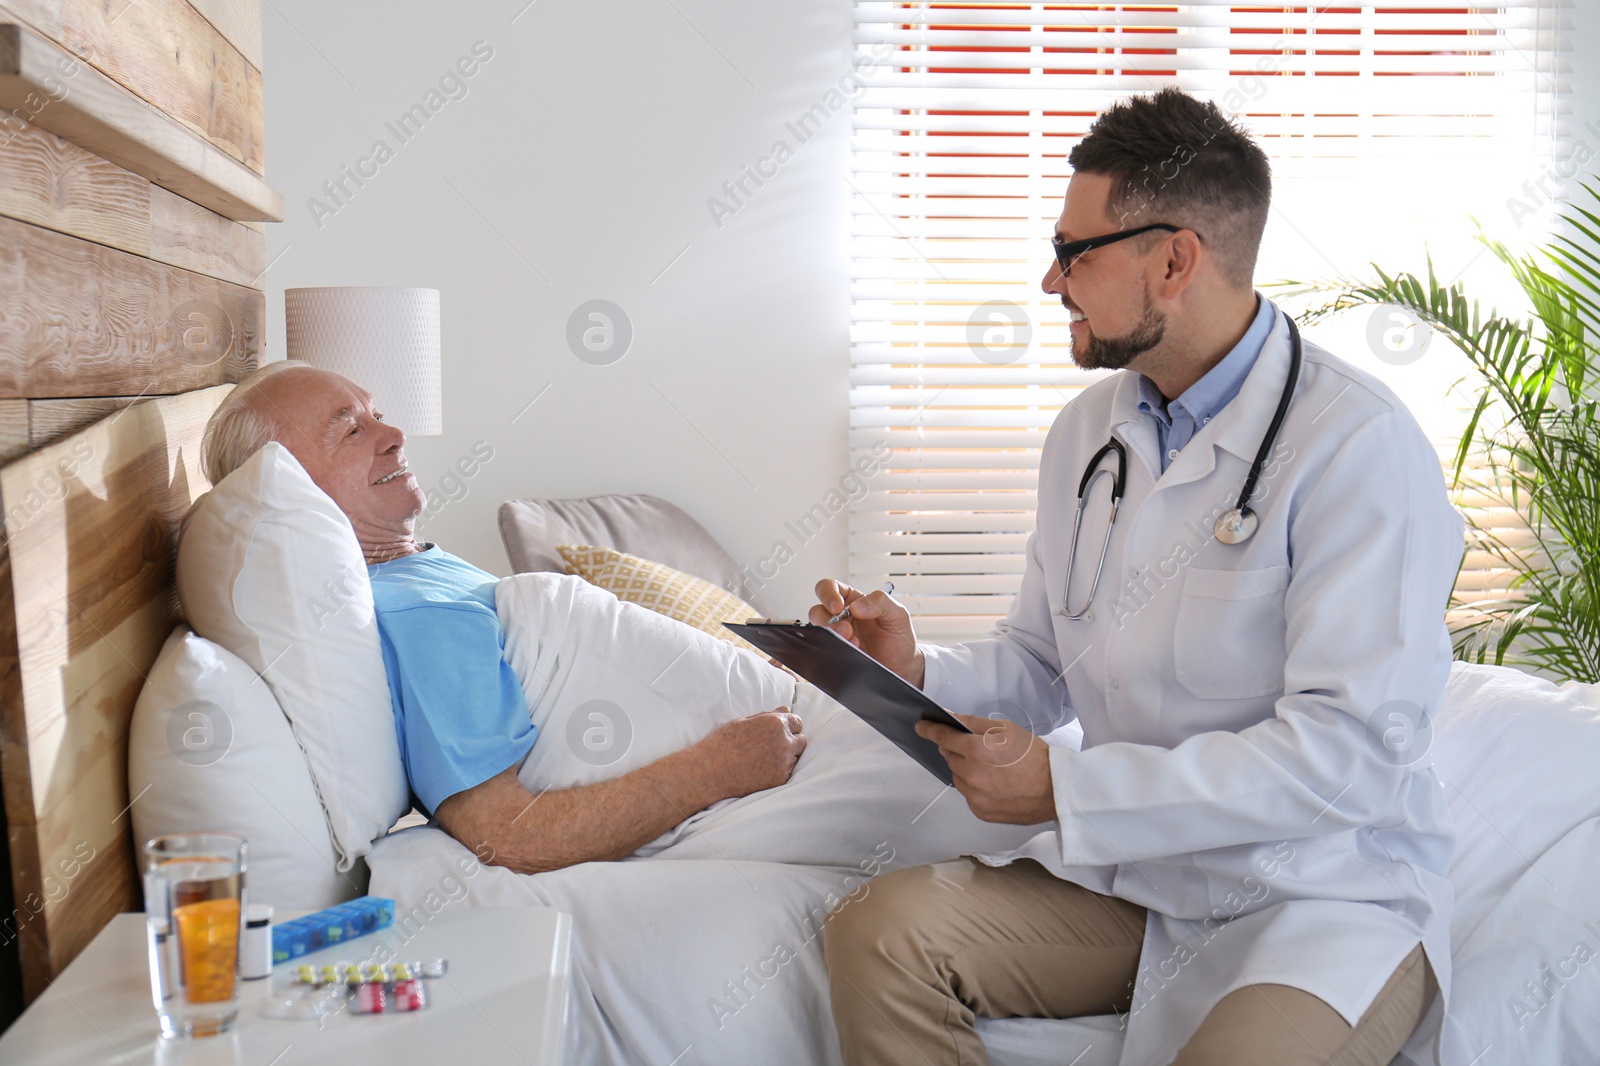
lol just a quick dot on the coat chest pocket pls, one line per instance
(1228, 643)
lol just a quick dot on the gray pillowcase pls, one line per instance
(646, 526)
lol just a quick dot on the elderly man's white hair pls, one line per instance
(237, 428)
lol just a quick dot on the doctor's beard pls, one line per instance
(1114, 353)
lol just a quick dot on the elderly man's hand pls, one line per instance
(749, 754)
(1001, 768)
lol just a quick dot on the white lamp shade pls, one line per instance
(385, 340)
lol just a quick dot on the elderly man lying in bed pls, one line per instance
(464, 719)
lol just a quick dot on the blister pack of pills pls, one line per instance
(361, 988)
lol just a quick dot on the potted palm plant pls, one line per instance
(1532, 440)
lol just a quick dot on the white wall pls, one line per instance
(585, 150)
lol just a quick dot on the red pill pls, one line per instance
(408, 995)
(368, 999)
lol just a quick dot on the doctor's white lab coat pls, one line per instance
(1255, 717)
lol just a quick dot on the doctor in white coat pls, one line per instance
(1250, 849)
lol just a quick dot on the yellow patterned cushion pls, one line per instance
(678, 595)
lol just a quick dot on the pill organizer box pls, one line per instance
(335, 925)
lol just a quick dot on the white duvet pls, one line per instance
(705, 948)
(708, 939)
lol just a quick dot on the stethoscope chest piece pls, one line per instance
(1235, 526)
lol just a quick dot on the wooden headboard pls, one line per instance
(132, 254)
(91, 525)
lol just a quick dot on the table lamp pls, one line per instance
(385, 340)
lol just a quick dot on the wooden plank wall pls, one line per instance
(168, 55)
(132, 255)
(44, 84)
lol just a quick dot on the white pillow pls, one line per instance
(1517, 754)
(209, 749)
(269, 568)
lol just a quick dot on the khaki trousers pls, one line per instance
(928, 949)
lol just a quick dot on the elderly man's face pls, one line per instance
(328, 423)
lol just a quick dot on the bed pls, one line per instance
(1516, 755)
(693, 950)
(688, 948)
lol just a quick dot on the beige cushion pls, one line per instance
(662, 589)
(646, 526)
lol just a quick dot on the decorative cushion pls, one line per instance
(210, 750)
(646, 526)
(269, 568)
(662, 589)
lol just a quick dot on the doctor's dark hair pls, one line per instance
(1179, 160)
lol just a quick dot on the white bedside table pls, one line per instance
(504, 1000)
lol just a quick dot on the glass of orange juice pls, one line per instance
(193, 898)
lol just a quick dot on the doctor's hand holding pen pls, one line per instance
(873, 622)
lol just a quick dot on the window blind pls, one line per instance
(961, 129)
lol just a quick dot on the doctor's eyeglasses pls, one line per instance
(1067, 252)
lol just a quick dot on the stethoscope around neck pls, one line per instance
(1234, 526)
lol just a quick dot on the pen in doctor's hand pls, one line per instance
(887, 587)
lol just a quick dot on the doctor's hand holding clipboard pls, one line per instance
(1000, 768)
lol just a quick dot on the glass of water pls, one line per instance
(193, 900)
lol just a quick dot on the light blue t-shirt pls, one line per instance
(458, 708)
(1178, 421)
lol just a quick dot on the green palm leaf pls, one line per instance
(1533, 429)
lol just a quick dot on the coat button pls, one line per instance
(1116, 684)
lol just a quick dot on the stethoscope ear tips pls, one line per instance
(1235, 526)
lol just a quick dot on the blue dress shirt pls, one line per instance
(1178, 421)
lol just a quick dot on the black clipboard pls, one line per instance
(877, 695)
